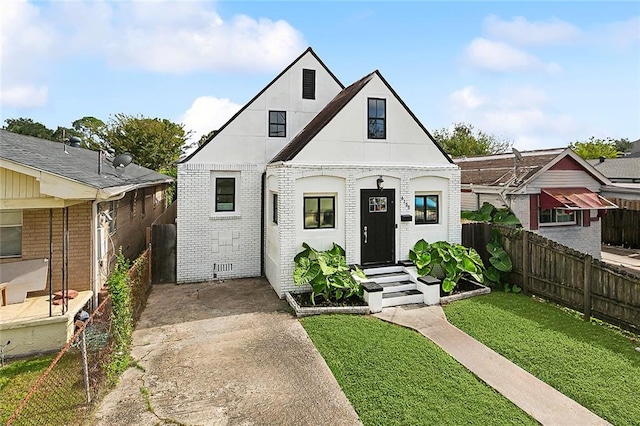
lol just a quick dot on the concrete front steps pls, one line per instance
(399, 287)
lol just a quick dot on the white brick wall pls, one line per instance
(213, 246)
(583, 239)
(353, 175)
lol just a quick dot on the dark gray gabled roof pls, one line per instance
(76, 164)
(625, 168)
(332, 109)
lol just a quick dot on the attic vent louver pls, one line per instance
(308, 84)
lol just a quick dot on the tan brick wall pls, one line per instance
(35, 244)
(131, 234)
(132, 224)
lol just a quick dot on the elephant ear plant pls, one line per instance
(455, 260)
(328, 273)
(500, 264)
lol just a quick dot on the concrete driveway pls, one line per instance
(227, 353)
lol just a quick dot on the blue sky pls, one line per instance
(541, 74)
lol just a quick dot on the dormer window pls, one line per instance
(277, 124)
(377, 118)
(308, 84)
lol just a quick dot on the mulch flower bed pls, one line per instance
(304, 300)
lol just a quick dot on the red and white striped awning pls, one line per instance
(573, 199)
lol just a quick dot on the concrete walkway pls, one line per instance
(224, 353)
(628, 259)
(539, 400)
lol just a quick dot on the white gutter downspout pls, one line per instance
(94, 264)
(95, 224)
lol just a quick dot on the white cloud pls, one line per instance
(521, 114)
(497, 56)
(180, 37)
(26, 40)
(466, 98)
(23, 96)
(620, 34)
(156, 36)
(208, 113)
(520, 31)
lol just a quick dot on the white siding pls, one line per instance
(246, 140)
(346, 134)
(563, 179)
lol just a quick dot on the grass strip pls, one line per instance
(594, 365)
(395, 376)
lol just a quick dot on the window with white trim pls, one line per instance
(225, 194)
(274, 211)
(319, 212)
(10, 233)
(426, 209)
(550, 217)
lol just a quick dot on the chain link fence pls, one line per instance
(76, 378)
(63, 394)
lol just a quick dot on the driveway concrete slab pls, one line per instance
(225, 353)
(539, 400)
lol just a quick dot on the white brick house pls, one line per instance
(308, 160)
(553, 192)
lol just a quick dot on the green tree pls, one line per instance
(622, 145)
(465, 140)
(595, 148)
(28, 127)
(154, 143)
(89, 129)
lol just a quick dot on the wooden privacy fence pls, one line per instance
(621, 227)
(570, 278)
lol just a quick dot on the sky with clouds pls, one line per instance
(541, 74)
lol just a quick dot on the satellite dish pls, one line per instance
(517, 154)
(75, 141)
(122, 160)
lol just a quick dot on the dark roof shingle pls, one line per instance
(499, 169)
(76, 164)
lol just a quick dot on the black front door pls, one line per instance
(377, 226)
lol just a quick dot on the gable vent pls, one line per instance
(308, 84)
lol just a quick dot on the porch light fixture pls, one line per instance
(380, 183)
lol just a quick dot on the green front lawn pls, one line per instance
(592, 364)
(395, 376)
(16, 379)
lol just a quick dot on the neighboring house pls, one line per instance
(635, 150)
(50, 190)
(308, 160)
(553, 192)
(624, 173)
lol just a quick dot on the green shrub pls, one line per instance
(121, 318)
(455, 260)
(327, 272)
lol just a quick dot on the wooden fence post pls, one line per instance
(525, 262)
(587, 288)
